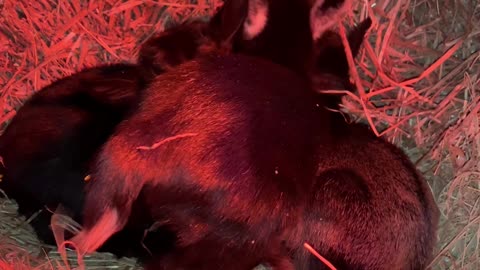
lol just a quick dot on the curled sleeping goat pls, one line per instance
(49, 146)
(246, 163)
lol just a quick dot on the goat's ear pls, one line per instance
(357, 34)
(324, 14)
(257, 18)
(229, 19)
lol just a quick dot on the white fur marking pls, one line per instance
(323, 21)
(256, 19)
(89, 241)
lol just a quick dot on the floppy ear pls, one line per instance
(229, 19)
(357, 34)
(248, 15)
(257, 18)
(324, 14)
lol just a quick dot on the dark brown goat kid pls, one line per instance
(237, 155)
(50, 144)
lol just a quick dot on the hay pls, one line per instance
(20, 249)
(419, 73)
